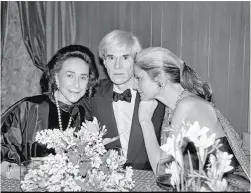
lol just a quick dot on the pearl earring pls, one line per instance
(160, 84)
(57, 83)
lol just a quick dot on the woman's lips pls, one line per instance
(74, 92)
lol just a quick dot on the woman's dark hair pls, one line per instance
(48, 82)
(155, 59)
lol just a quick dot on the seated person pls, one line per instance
(115, 104)
(71, 75)
(163, 76)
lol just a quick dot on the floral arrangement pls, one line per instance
(185, 178)
(81, 162)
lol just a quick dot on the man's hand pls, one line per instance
(146, 110)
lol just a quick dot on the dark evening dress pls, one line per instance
(21, 121)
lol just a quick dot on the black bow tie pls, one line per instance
(125, 96)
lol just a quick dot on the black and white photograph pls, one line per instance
(118, 96)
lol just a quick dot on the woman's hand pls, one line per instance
(146, 110)
(109, 140)
(10, 170)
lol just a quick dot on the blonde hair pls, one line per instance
(155, 59)
(119, 38)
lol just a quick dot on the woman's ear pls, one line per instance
(104, 62)
(160, 79)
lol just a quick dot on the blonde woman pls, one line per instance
(162, 76)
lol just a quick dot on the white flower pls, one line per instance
(219, 164)
(203, 189)
(129, 173)
(168, 147)
(91, 126)
(96, 161)
(175, 171)
(199, 135)
(217, 185)
(204, 141)
(58, 173)
(224, 161)
(200, 139)
(172, 146)
(194, 131)
(205, 145)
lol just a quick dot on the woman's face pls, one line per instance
(72, 80)
(146, 87)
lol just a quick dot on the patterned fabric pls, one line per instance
(241, 152)
(145, 181)
(166, 123)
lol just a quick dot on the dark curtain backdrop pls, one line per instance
(211, 37)
(60, 26)
(32, 18)
(47, 27)
(4, 23)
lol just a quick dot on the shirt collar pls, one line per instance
(116, 89)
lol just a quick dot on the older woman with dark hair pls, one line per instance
(71, 77)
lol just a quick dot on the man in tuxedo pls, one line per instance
(116, 104)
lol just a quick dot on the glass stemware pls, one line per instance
(25, 167)
(163, 178)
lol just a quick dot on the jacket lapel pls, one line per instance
(136, 136)
(107, 113)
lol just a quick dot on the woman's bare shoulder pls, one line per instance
(193, 108)
(193, 103)
(197, 109)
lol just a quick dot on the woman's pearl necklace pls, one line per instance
(180, 97)
(59, 116)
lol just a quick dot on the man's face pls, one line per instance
(119, 64)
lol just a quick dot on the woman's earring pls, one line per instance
(57, 83)
(160, 84)
(103, 58)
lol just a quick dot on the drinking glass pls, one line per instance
(119, 150)
(163, 178)
(25, 167)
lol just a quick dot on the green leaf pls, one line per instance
(190, 161)
(81, 148)
(210, 185)
(64, 142)
(104, 168)
(84, 167)
(83, 185)
(73, 157)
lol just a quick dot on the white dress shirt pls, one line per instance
(123, 112)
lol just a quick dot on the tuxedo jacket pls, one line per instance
(102, 109)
